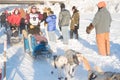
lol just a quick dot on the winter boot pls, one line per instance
(61, 37)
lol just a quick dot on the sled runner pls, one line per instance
(34, 49)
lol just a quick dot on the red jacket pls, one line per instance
(14, 19)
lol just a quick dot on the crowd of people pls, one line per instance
(19, 19)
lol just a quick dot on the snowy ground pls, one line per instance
(20, 66)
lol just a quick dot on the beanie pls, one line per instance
(62, 5)
(101, 4)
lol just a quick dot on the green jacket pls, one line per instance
(102, 21)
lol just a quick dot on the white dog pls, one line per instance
(69, 62)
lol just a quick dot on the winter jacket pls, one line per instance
(64, 18)
(34, 18)
(102, 21)
(3, 18)
(51, 21)
(74, 20)
(15, 20)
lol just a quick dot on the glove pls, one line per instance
(89, 28)
(31, 26)
(76, 26)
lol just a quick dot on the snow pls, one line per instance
(20, 66)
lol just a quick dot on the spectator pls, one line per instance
(74, 23)
(33, 19)
(51, 21)
(15, 19)
(22, 22)
(64, 21)
(102, 22)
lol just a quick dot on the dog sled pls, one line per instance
(34, 49)
(13, 36)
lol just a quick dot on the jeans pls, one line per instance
(65, 33)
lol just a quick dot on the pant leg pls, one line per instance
(52, 36)
(76, 33)
(9, 34)
(46, 32)
(107, 44)
(101, 43)
(65, 33)
(0, 25)
(71, 34)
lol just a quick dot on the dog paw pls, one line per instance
(60, 78)
(52, 72)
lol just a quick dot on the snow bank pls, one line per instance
(90, 5)
(85, 6)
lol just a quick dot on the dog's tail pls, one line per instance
(86, 64)
(98, 69)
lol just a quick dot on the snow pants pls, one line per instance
(103, 43)
(65, 33)
(52, 36)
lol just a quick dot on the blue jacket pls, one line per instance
(51, 20)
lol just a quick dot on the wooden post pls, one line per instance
(4, 77)
(0, 74)
(5, 58)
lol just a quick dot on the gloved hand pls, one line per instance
(76, 26)
(31, 26)
(89, 28)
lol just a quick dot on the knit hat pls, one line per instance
(62, 5)
(33, 7)
(48, 9)
(101, 4)
(74, 7)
